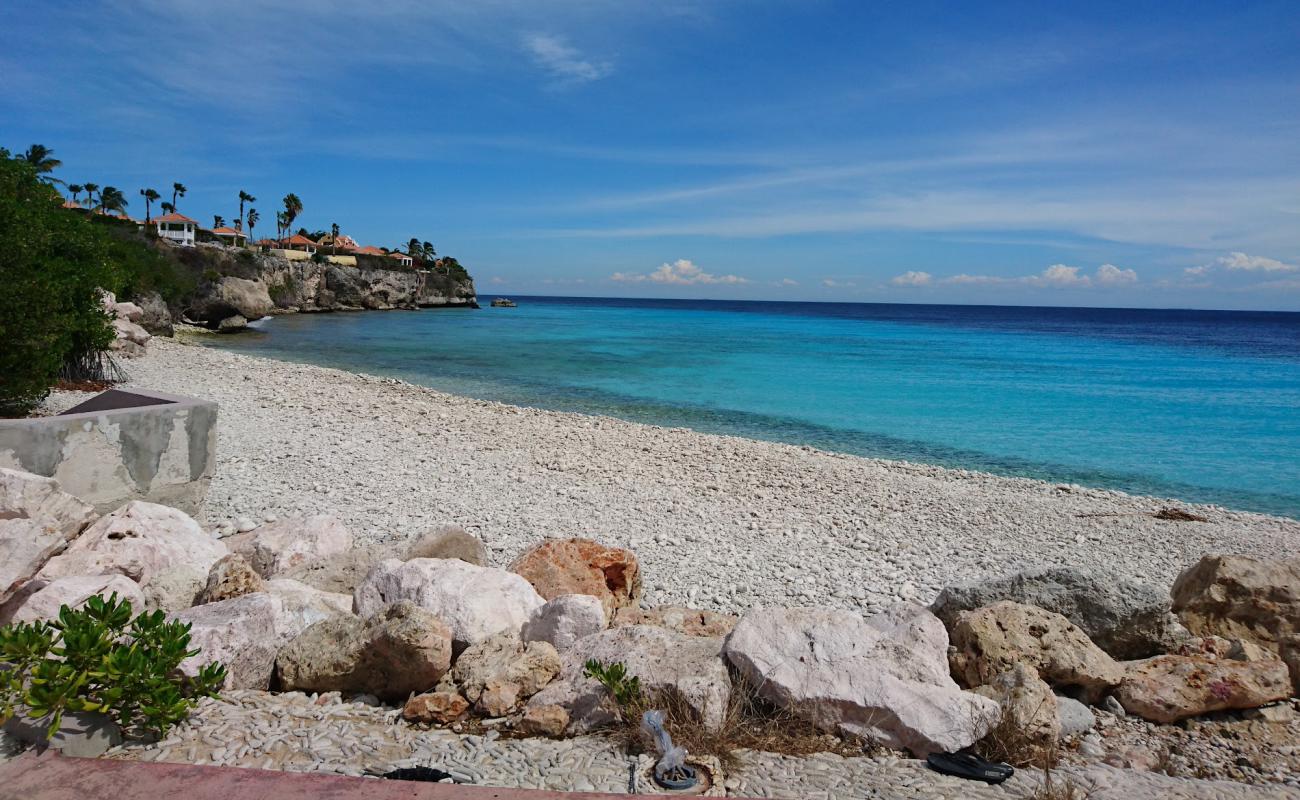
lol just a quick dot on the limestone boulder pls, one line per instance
(1289, 649)
(278, 548)
(1125, 618)
(231, 576)
(1238, 597)
(475, 602)
(449, 541)
(127, 310)
(244, 633)
(503, 670)
(137, 540)
(125, 329)
(1169, 688)
(37, 520)
(1028, 703)
(991, 640)
(155, 316)
(44, 604)
(441, 708)
(565, 620)
(309, 604)
(230, 296)
(342, 572)
(581, 566)
(544, 721)
(1076, 718)
(174, 589)
(688, 668)
(882, 677)
(392, 653)
(690, 621)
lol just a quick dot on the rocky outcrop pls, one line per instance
(498, 673)
(230, 577)
(174, 589)
(475, 602)
(689, 668)
(449, 541)
(565, 620)
(45, 602)
(1238, 597)
(243, 633)
(989, 641)
(138, 540)
(37, 519)
(690, 621)
(343, 572)
(272, 284)
(1125, 618)
(442, 708)
(580, 566)
(1170, 688)
(883, 677)
(280, 547)
(155, 316)
(399, 650)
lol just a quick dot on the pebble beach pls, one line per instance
(717, 522)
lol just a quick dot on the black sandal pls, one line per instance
(969, 766)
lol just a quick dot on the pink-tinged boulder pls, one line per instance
(138, 540)
(299, 598)
(1238, 597)
(544, 721)
(442, 708)
(126, 310)
(398, 651)
(580, 566)
(288, 544)
(499, 672)
(125, 329)
(244, 633)
(1169, 688)
(690, 621)
(37, 519)
(883, 677)
(74, 592)
(991, 640)
(565, 620)
(475, 602)
(689, 668)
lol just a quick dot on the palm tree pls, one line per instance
(281, 225)
(292, 208)
(334, 238)
(149, 196)
(112, 199)
(244, 197)
(218, 221)
(178, 190)
(90, 188)
(43, 161)
(253, 217)
(76, 189)
(427, 252)
(168, 208)
(413, 248)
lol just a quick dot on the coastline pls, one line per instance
(717, 521)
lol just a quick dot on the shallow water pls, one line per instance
(1199, 405)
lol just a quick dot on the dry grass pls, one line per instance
(1011, 742)
(1064, 789)
(750, 723)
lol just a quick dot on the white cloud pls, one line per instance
(1201, 270)
(911, 278)
(496, 280)
(1057, 276)
(1111, 275)
(787, 282)
(834, 284)
(1241, 261)
(681, 272)
(563, 61)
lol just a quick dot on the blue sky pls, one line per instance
(1110, 154)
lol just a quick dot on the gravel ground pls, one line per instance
(718, 522)
(307, 733)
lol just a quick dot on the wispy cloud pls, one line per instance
(681, 272)
(1057, 276)
(831, 283)
(1241, 261)
(911, 278)
(563, 61)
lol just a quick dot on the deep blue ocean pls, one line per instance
(1198, 405)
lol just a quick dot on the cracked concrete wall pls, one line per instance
(162, 453)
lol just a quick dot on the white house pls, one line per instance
(177, 228)
(402, 258)
(229, 236)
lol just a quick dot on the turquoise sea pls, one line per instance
(1199, 405)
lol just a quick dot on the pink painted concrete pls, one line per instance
(53, 777)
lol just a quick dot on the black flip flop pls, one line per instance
(969, 766)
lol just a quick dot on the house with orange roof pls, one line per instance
(229, 236)
(402, 258)
(176, 228)
(370, 250)
(300, 242)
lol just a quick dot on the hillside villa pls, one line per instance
(176, 228)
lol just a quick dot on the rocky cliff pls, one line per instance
(254, 286)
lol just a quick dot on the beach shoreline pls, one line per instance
(716, 521)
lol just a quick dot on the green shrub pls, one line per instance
(624, 688)
(52, 262)
(100, 659)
